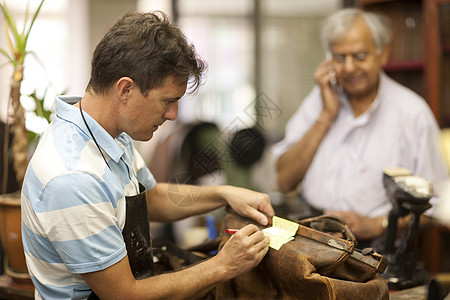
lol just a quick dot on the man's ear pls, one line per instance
(124, 87)
(385, 55)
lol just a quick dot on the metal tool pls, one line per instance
(409, 195)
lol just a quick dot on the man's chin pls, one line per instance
(145, 138)
(356, 92)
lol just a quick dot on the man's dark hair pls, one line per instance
(147, 48)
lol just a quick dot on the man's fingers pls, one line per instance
(264, 244)
(249, 229)
(256, 236)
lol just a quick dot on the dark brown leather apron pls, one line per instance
(136, 234)
(137, 237)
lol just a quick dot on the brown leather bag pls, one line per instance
(317, 264)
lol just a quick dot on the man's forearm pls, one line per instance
(170, 202)
(293, 164)
(190, 283)
(117, 282)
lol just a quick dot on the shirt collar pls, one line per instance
(65, 110)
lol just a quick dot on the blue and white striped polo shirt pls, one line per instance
(73, 205)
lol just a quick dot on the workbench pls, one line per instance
(10, 290)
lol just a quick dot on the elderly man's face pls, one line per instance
(356, 62)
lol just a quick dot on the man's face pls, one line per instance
(356, 62)
(147, 113)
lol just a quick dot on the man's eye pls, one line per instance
(339, 58)
(360, 56)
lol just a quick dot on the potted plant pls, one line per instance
(10, 221)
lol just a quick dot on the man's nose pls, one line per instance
(349, 63)
(172, 112)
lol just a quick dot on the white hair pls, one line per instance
(337, 24)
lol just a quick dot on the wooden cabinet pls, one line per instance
(437, 81)
(420, 57)
(437, 41)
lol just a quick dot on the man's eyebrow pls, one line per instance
(351, 52)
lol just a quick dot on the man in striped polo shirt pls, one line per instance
(74, 193)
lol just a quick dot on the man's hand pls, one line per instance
(244, 250)
(323, 75)
(249, 204)
(363, 228)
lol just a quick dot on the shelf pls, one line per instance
(414, 65)
(367, 2)
(446, 49)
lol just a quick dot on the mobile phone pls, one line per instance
(333, 81)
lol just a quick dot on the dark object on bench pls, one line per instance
(409, 195)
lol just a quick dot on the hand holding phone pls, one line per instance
(325, 76)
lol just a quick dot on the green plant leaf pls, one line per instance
(11, 25)
(19, 40)
(26, 18)
(32, 22)
(11, 60)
